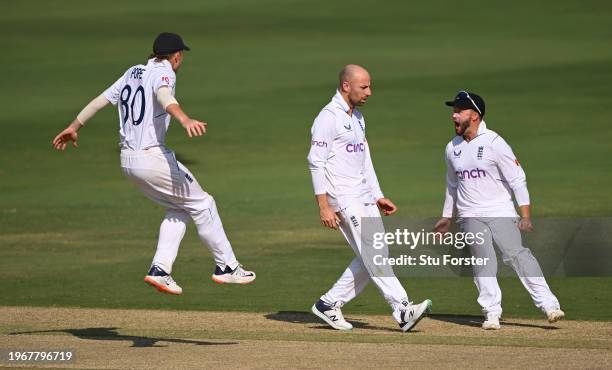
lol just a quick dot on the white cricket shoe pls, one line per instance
(492, 322)
(332, 315)
(555, 315)
(411, 314)
(161, 280)
(235, 276)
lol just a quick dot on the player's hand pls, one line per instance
(443, 225)
(61, 140)
(525, 224)
(194, 127)
(329, 218)
(386, 206)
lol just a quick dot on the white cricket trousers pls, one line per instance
(356, 276)
(163, 179)
(507, 236)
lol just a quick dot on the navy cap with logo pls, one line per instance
(468, 100)
(167, 43)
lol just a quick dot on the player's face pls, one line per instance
(462, 119)
(177, 60)
(359, 89)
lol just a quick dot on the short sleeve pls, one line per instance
(112, 93)
(164, 78)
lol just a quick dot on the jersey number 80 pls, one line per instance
(127, 106)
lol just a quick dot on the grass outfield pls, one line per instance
(74, 232)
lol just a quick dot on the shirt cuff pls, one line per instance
(318, 182)
(522, 195)
(449, 202)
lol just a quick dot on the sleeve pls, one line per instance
(92, 108)
(164, 78)
(323, 134)
(451, 189)
(370, 174)
(164, 97)
(511, 170)
(112, 93)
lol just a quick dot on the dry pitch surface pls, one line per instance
(139, 339)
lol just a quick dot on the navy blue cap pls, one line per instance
(468, 100)
(168, 43)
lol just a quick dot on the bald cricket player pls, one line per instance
(347, 191)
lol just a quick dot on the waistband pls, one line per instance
(151, 150)
(342, 201)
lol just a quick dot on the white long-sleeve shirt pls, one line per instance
(481, 176)
(339, 157)
(143, 121)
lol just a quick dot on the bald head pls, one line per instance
(354, 85)
(351, 72)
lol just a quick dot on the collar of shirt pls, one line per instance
(164, 62)
(340, 102)
(482, 128)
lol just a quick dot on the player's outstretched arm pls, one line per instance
(167, 100)
(69, 134)
(192, 126)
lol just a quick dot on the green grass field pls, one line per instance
(74, 232)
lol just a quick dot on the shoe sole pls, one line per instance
(322, 316)
(424, 314)
(218, 281)
(159, 287)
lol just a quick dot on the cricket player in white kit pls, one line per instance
(347, 191)
(144, 95)
(482, 175)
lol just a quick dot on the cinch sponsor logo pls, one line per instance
(355, 148)
(320, 144)
(476, 173)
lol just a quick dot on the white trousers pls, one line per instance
(507, 237)
(163, 179)
(356, 276)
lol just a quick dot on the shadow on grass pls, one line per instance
(112, 334)
(303, 317)
(476, 321)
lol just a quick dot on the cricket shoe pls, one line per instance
(410, 315)
(555, 315)
(332, 315)
(235, 276)
(161, 280)
(492, 322)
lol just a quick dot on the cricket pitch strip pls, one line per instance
(145, 339)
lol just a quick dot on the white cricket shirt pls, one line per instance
(339, 157)
(481, 176)
(143, 122)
